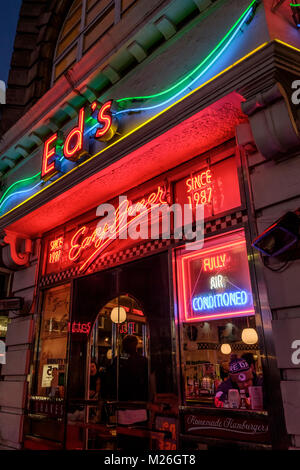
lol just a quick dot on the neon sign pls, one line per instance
(76, 144)
(128, 328)
(199, 188)
(56, 250)
(77, 327)
(217, 282)
(73, 147)
(102, 236)
(215, 187)
(214, 262)
(205, 294)
(209, 302)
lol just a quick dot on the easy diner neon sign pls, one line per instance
(104, 234)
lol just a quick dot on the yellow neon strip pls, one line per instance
(287, 45)
(149, 120)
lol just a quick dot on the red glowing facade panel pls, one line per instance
(216, 187)
(214, 282)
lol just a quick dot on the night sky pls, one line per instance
(9, 15)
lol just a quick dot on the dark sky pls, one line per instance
(9, 15)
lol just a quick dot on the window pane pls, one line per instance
(68, 40)
(71, 21)
(91, 3)
(127, 3)
(97, 8)
(53, 342)
(66, 62)
(75, 4)
(101, 27)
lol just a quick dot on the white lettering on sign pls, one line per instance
(296, 354)
(296, 95)
(217, 282)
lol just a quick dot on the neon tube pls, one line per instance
(17, 182)
(243, 18)
(20, 192)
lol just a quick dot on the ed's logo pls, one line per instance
(296, 354)
(296, 95)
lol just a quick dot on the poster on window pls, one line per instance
(48, 374)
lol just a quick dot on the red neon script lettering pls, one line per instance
(103, 236)
(104, 117)
(56, 250)
(74, 141)
(48, 169)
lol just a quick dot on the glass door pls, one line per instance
(122, 390)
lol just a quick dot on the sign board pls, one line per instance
(215, 186)
(286, 335)
(236, 427)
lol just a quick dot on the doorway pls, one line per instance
(135, 381)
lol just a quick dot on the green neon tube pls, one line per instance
(156, 95)
(18, 182)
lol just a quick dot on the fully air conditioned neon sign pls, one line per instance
(76, 144)
(214, 283)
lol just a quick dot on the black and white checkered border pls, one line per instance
(237, 218)
(134, 252)
(144, 249)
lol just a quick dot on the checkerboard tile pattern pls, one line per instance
(145, 249)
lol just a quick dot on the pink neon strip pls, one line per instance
(218, 316)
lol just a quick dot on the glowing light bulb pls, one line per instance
(249, 336)
(118, 315)
(225, 348)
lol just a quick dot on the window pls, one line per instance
(53, 339)
(221, 359)
(86, 22)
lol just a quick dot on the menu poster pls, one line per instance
(48, 374)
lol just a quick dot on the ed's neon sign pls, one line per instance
(75, 145)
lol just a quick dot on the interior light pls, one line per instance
(118, 315)
(225, 348)
(249, 336)
(109, 354)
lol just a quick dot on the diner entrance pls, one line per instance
(121, 374)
